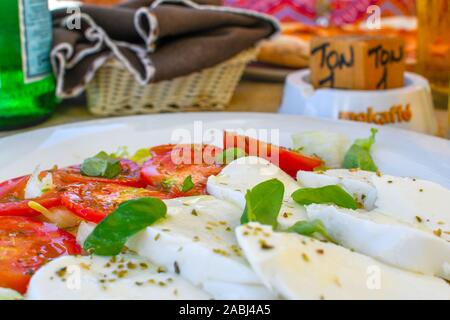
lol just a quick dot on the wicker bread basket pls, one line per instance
(114, 91)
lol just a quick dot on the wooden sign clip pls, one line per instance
(357, 62)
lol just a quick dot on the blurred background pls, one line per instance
(306, 11)
(399, 16)
(258, 80)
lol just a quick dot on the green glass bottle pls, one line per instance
(27, 85)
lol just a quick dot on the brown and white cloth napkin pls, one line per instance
(154, 39)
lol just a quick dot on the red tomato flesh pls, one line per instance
(13, 203)
(13, 189)
(21, 208)
(25, 245)
(289, 161)
(129, 176)
(93, 201)
(170, 165)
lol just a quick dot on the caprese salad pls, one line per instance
(249, 220)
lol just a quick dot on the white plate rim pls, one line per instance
(438, 145)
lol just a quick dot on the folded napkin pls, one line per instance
(154, 40)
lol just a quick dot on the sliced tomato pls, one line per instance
(21, 208)
(12, 202)
(162, 149)
(94, 200)
(25, 245)
(13, 189)
(129, 176)
(289, 161)
(170, 165)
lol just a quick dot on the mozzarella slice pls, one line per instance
(417, 202)
(385, 239)
(104, 278)
(358, 183)
(197, 241)
(298, 267)
(84, 230)
(329, 146)
(244, 174)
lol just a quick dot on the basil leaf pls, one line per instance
(358, 156)
(102, 155)
(141, 156)
(248, 214)
(111, 234)
(93, 167)
(101, 165)
(229, 155)
(187, 184)
(263, 203)
(325, 195)
(309, 228)
(113, 169)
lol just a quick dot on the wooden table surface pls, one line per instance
(251, 96)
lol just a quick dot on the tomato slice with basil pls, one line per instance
(170, 165)
(13, 203)
(289, 161)
(25, 245)
(130, 175)
(95, 200)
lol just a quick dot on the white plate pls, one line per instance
(397, 152)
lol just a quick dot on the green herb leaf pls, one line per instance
(248, 214)
(111, 234)
(141, 156)
(358, 156)
(101, 165)
(325, 195)
(167, 184)
(121, 153)
(187, 184)
(309, 228)
(229, 155)
(263, 203)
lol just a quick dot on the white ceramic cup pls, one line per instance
(409, 107)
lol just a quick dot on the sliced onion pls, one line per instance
(60, 216)
(37, 186)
